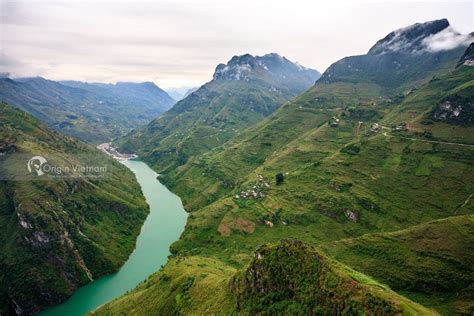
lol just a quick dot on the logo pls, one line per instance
(36, 164)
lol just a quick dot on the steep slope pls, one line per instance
(344, 159)
(217, 173)
(92, 112)
(430, 262)
(346, 172)
(288, 278)
(241, 93)
(62, 229)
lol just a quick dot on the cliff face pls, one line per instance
(61, 233)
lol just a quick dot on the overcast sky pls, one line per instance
(180, 42)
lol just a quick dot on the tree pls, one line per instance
(279, 177)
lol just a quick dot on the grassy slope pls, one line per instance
(72, 229)
(432, 263)
(208, 118)
(286, 278)
(188, 285)
(390, 184)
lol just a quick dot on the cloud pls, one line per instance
(447, 39)
(180, 42)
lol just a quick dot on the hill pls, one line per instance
(430, 262)
(95, 113)
(244, 91)
(65, 227)
(285, 278)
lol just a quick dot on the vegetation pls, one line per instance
(61, 233)
(430, 263)
(366, 162)
(219, 110)
(286, 278)
(95, 113)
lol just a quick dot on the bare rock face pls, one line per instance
(468, 58)
(274, 66)
(455, 110)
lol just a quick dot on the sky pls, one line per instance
(179, 43)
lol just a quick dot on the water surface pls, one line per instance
(162, 227)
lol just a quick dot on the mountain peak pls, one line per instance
(431, 36)
(248, 67)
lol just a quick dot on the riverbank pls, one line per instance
(163, 226)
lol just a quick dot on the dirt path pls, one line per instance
(426, 141)
(464, 204)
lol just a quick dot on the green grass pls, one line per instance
(289, 277)
(431, 263)
(190, 285)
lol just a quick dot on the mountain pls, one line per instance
(244, 91)
(94, 113)
(382, 142)
(180, 93)
(140, 95)
(189, 92)
(432, 261)
(66, 227)
(286, 278)
(403, 58)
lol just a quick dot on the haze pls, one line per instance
(179, 43)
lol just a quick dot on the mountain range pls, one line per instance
(92, 112)
(348, 192)
(373, 165)
(243, 91)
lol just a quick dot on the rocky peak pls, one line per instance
(468, 57)
(432, 36)
(247, 67)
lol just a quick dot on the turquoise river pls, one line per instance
(162, 227)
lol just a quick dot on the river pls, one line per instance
(162, 227)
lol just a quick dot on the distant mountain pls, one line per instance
(243, 91)
(59, 233)
(190, 91)
(92, 112)
(137, 94)
(180, 93)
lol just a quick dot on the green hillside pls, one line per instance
(59, 233)
(432, 263)
(289, 278)
(242, 93)
(348, 157)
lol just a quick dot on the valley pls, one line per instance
(163, 226)
(271, 189)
